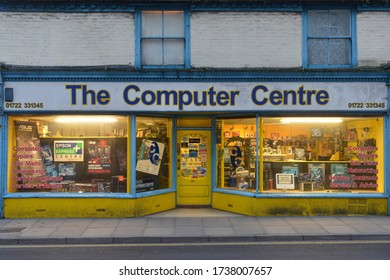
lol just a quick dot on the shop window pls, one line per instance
(163, 38)
(236, 149)
(72, 154)
(153, 145)
(329, 38)
(311, 155)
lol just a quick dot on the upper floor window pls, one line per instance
(163, 39)
(329, 38)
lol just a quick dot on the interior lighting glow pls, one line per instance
(311, 120)
(86, 119)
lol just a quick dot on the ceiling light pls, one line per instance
(311, 120)
(86, 119)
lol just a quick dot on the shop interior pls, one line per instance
(89, 154)
(68, 154)
(301, 154)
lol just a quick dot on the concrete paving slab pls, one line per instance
(244, 221)
(48, 223)
(37, 232)
(99, 223)
(249, 230)
(193, 221)
(76, 222)
(21, 222)
(158, 231)
(380, 221)
(279, 230)
(344, 229)
(162, 223)
(98, 232)
(219, 231)
(368, 228)
(300, 221)
(216, 222)
(327, 221)
(309, 229)
(189, 231)
(128, 231)
(132, 222)
(65, 231)
(273, 221)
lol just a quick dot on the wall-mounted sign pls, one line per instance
(196, 97)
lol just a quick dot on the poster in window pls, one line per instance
(99, 156)
(150, 156)
(317, 171)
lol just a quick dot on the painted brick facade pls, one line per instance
(373, 38)
(247, 39)
(64, 39)
(218, 39)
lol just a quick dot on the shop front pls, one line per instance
(125, 149)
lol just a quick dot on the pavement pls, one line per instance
(183, 225)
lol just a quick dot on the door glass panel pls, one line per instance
(193, 156)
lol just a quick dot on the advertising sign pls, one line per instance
(99, 156)
(70, 151)
(197, 96)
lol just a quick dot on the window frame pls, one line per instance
(352, 37)
(138, 39)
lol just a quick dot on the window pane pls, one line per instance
(236, 146)
(339, 22)
(153, 154)
(318, 23)
(324, 155)
(318, 51)
(151, 24)
(151, 52)
(340, 51)
(78, 154)
(173, 52)
(174, 24)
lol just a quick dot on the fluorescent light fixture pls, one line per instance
(311, 120)
(86, 119)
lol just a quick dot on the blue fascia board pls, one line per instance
(196, 75)
(202, 7)
(120, 8)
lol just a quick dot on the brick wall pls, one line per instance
(224, 39)
(373, 30)
(58, 39)
(246, 39)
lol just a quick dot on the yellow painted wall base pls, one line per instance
(125, 208)
(87, 207)
(300, 206)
